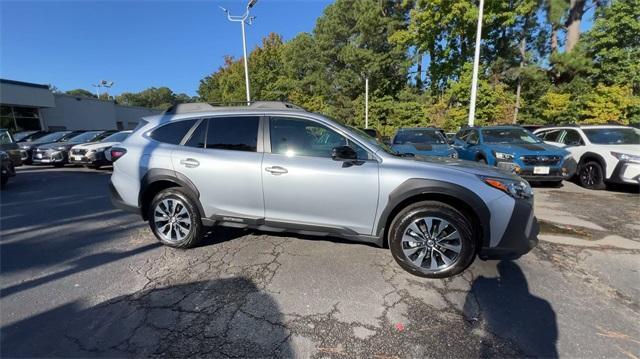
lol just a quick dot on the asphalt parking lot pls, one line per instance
(80, 278)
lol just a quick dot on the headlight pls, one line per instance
(515, 189)
(626, 157)
(503, 156)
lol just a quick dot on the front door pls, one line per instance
(222, 159)
(303, 185)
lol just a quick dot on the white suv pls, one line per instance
(604, 153)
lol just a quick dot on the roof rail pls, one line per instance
(276, 105)
(189, 107)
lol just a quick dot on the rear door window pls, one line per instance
(172, 133)
(233, 133)
(199, 136)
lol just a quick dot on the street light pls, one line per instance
(103, 83)
(476, 64)
(249, 20)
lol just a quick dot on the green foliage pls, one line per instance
(81, 93)
(159, 98)
(325, 70)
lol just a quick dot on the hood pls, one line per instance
(32, 145)
(423, 148)
(471, 167)
(626, 149)
(56, 145)
(94, 145)
(528, 148)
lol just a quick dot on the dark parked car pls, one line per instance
(28, 147)
(426, 141)
(8, 145)
(372, 132)
(57, 153)
(29, 136)
(6, 168)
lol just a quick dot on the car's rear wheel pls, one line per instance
(175, 219)
(482, 160)
(591, 175)
(432, 239)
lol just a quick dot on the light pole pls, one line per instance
(242, 19)
(366, 102)
(476, 64)
(103, 83)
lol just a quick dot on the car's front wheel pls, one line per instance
(591, 175)
(175, 219)
(432, 239)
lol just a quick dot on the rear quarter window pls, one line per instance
(173, 132)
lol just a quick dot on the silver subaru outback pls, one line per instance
(275, 167)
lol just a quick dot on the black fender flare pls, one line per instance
(156, 174)
(585, 156)
(415, 187)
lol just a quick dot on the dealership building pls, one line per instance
(29, 106)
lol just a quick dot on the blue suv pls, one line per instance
(515, 149)
(426, 141)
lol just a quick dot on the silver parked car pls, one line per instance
(275, 167)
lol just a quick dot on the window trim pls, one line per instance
(148, 133)
(259, 138)
(267, 135)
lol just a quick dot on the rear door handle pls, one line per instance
(190, 162)
(276, 170)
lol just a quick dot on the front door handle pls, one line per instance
(190, 162)
(276, 170)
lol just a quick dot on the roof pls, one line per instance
(206, 107)
(21, 83)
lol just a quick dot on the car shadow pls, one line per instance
(509, 311)
(224, 317)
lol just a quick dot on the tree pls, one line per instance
(81, 93)
(159, 98)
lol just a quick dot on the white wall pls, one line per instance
(81, 113)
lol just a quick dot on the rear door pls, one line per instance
(304, 186)
(222, 157)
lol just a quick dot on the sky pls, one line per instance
(135, 43)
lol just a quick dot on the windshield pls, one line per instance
(374, 141)
(508, 135)
(5, 137)
(613, 136)
(52, 137)
(84, 137)
(431, 137)
(21, 135)
(116, 137)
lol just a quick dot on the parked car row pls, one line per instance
(593, 154)
(69, 147)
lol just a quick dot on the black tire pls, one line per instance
(3, 182)
(58, 165)
(591, 175)
(419, 210)
(195, 228)
(482, 160)
(93, 167)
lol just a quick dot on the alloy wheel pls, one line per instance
(172, 220)
(432, 243)
(590, 175)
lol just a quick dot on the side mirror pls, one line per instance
(343, 153)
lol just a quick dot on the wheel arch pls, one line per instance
(157, 180)
(461, 198)
(592, 156)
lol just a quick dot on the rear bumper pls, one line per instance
(520, 237)
(119, 203)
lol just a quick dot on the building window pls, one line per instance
(17, 119)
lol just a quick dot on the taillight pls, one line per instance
(116, 153)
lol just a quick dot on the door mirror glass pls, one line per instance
(344, 153)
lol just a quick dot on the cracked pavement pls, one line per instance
(81, 279)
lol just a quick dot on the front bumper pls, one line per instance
(48, 157)
(7, 169)
(626, 173)
(560, 172)
(520, 236)
(93, 158)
